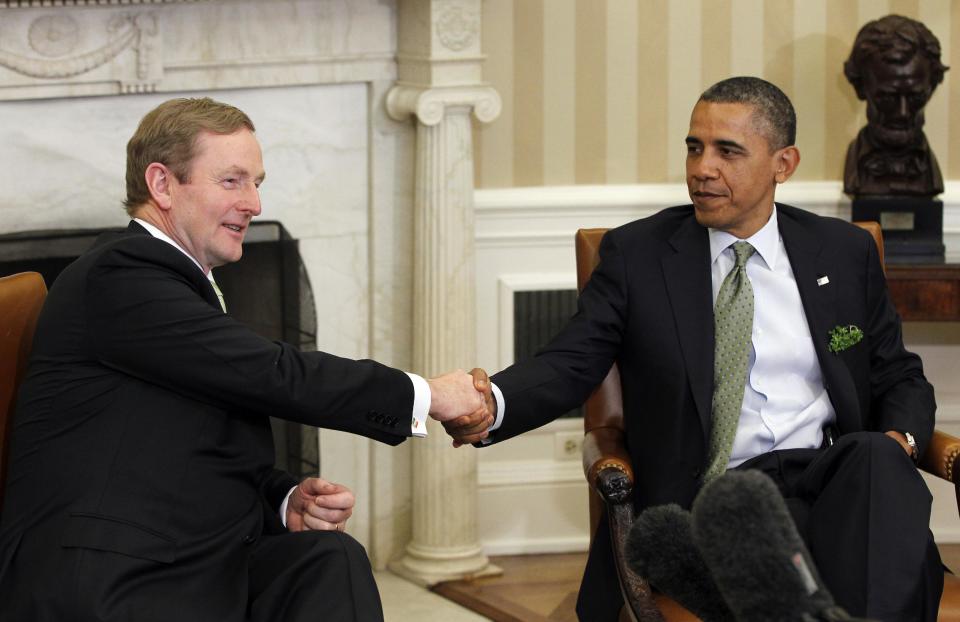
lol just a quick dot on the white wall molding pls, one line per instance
(46, 4)
(524, 473)
(534, 545)
(552, 214)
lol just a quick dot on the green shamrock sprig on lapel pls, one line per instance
(843, 337)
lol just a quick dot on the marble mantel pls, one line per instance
(64, 48)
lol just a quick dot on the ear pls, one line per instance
(159, 179)
(786, 162)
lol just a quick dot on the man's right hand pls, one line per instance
(464, 404)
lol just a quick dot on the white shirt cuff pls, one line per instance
(283, 507)
(421, 405)
(498, 395)
(501, 407)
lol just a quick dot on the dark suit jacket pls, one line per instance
(142, 428)
(649, 307)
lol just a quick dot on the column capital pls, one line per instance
(429, 104)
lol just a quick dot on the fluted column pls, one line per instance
(439, 87)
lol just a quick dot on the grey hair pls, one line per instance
(771, 106)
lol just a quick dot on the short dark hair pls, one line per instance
(168, 135)
(771, 106)
(895, 40)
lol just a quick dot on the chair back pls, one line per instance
(21, 297)
(873, 228)
(604, 409)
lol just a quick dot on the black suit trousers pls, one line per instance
(294, 577)
(863, 510)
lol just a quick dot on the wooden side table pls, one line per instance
(926, 293)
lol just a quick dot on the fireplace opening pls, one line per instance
(267, 290)
(538, 315)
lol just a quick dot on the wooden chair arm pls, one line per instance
(608, 469)
(940, 458)
(606, 464)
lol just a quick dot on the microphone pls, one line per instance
(660, 548)
(744, 531)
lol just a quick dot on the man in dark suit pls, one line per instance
(818, 390)
(141, 481)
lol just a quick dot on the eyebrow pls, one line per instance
(692, 140)
(730, 143)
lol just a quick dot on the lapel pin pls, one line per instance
(823, 280)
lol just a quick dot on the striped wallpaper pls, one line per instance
(600, 91)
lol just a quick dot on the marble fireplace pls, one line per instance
(363, 109)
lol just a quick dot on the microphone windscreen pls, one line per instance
(749, 541)
(660, 548)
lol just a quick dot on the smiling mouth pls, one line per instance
(236, 228)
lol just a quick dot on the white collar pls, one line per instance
(766, 241)
(160, 235)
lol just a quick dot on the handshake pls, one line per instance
(464, 404)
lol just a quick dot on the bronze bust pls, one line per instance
(895, 66)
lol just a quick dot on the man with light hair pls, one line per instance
(141, 481)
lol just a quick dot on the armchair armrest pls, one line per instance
(607, 465)
(940, 458)
(609, 472)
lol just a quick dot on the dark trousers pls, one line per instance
(294, 577)
(863, 510)
(312, 576)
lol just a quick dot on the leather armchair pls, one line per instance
(609, 472)
(21, 297)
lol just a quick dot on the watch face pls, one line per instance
(913, 444)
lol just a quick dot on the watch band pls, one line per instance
(915, 454)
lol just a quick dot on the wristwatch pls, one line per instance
(913, 446)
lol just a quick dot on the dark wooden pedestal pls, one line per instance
(925, 293)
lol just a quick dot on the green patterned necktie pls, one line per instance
(733, 324)
(216, 288)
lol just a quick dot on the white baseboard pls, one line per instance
(534, 546)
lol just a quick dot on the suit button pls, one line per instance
(248, 539)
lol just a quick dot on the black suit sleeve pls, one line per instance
(901, 397)
(563, 374)
(148, 320)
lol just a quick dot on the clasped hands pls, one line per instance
(463, 403)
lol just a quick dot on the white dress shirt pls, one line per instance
(785, 404)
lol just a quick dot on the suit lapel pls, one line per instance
(186, 267)
(686, 273)
(810, 261)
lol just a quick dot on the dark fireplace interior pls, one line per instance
(267, 290)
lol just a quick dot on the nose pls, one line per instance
(251, 202)
(703, 166)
